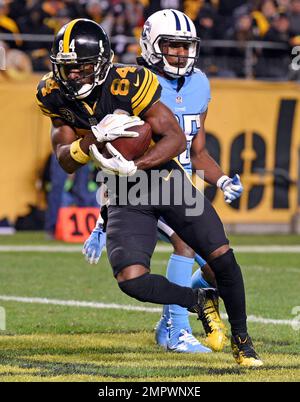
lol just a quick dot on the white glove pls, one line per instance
(115, 165)
(113, 126)
(232, 188)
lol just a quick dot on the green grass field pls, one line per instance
(54, 342)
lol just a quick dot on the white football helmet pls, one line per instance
(172, 26)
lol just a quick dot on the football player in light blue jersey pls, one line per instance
(170, 48)
(188, 105)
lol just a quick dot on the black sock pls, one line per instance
(157, 289)
(231, 289)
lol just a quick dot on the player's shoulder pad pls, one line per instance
(200, 80)
(47, 84)
(135, 84)
(147, 90)
(45, 96)
(200, 76)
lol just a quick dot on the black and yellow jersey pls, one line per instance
(133, 89)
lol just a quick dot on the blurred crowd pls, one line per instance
(274, 21)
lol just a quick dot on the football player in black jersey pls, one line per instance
(81, 96)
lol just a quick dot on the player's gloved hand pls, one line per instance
(116, 165)
(232, 188)
(93, 246)
(114, 126)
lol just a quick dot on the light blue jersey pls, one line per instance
(187, 105)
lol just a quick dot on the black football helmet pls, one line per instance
(80, 45)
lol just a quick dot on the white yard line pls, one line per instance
(41, 249)
(86, 304)
(160, 248)
(77, 303)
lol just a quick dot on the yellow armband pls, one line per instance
(77, 153)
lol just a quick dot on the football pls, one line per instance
(132, 148)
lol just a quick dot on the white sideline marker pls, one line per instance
(86, 304)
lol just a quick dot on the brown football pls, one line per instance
(132, 147)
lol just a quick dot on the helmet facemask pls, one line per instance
(91, 72)
(178, 65)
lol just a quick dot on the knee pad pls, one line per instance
(137, 287)
(225, 268)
